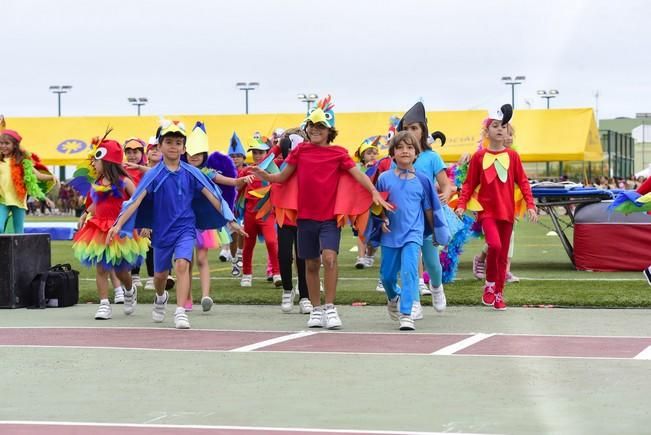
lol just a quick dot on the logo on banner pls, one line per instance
(71, 146)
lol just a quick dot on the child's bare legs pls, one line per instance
(160, 279)
(124, 276)
(101, 279)
(204, 272)
(182, 268)
(115, 281)
(312, 268)
(330, 275)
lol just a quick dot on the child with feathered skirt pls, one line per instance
(112, 187)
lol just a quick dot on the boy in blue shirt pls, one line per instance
(404, 228)
(174, 199)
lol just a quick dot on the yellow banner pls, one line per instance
(541, 135)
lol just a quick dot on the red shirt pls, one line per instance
(135, 174)
(318, 171)
(645, 187)
(496, 198)
(250, 201)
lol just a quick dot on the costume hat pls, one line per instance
(504, 114)
(198, 140)
(236, 146)
(171, 126)
(257, 144)
(415, 114)
(322, 113)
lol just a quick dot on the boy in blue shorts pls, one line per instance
(174, 199)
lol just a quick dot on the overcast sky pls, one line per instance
(186, 56)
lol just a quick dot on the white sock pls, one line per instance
(179, 310)
(488, 283)
(104, 302)
(239, 252)
(117, 289)
(160, 298)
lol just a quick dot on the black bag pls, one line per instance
(58, 287)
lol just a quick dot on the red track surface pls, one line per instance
(170, 339)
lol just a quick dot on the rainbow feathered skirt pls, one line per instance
(123, 253)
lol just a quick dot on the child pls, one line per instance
(19, 179)
(197, 155)
(254, 225)
(134, 151)
(479, 261)
(173, 199)
(287, 239)
(320, 168)
(429, 163)
(238, 155)
(366, 156)
(121, 254)
(153, 157)
(496, 169)
(411, 194)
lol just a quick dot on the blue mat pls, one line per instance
(56, 230)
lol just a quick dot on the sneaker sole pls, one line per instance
(334, 326)
(206, 305)
(407, 328)
(182, 326)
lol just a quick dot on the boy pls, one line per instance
(319, 168)
(173, 199)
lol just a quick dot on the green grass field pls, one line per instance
(547, 277)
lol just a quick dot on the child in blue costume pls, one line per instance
(404, 228)
(173, 199)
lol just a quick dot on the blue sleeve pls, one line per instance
(427, 200)
(436, 163)
(381, 183)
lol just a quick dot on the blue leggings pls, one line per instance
(18, 215)
(405, 261)
(432, 262)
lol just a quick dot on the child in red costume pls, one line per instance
(254, 225)
(496, 169)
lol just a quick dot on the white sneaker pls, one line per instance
(246, 281)
(316, 319)
(511, 278)
(158, 312)
(130, 300)
(332, 320)
(149, 284)
(360, 263)
(379, 287)
(407, 323)
(236, 269)
(206, 303)
(369, 260)
(305, 306)
(135, 280)
(277, 280)
(104, 312)
(118, 296)
(287, 302)
(438, 298)
(423, 288)
(416, 311)
(392, 308)
(181, 320)
(225, 255)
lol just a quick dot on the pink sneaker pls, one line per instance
(488, 298)
(188, 305)
(499, 304)
(478, 268)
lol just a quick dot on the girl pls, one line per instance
(429, 163)
(238, 155)
(404, 227)
(134, 151)
(18, 180)
(479, 261)
(253, 225)
(366, 156)
(496, 169)
(197, 155)
(112, 187)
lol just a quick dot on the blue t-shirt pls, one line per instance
(429, 163)
(407, 221)
(172, 196)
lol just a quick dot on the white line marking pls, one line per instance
(207, 427)
(272, 341)
(645, 354)
(456, 347)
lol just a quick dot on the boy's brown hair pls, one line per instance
(403, 136)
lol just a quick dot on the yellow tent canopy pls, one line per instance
(541, 135)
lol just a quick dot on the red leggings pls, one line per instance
(498, 239)
(267, 227)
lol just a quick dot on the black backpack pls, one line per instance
(58, 287)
